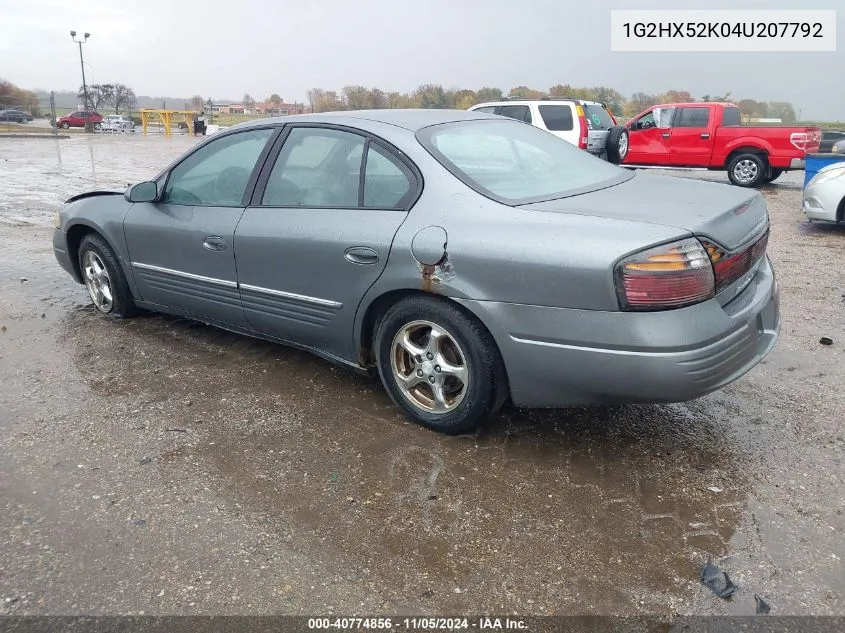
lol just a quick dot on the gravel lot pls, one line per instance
(157, 466)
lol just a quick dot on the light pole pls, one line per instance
(88, 126)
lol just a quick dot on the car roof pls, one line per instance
(552, 100)
(409, 119)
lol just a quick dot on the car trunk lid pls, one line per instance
(727, 216)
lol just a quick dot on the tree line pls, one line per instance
(118, 96)
(355, 97)
(12, 97)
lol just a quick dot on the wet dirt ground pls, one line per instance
(155, 465)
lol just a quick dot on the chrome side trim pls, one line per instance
(179, 273)
(290, 295)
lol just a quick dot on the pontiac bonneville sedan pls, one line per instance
(466, 258)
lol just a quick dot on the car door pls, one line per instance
(182, 246)
(691, 141)
(319, 232)
(649, 137)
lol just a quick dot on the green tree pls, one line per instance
(489, 94)
(358, 98)
(614, 100)
(465, 99)
(524, 92)
(431, 96)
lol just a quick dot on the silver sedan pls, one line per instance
(824, 195)
(465, 258)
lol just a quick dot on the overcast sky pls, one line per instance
(224, 48)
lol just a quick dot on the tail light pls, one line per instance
(665, 277)
(807, 142)
(583, 134)
(729, 268)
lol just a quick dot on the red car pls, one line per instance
(711, 136)
(79, 118)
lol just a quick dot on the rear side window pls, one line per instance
(692, 117)
(598, 117)
(518, 112)
(731, 116)
(486, 109)
(558, 118)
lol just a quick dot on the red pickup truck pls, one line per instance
(710, 136)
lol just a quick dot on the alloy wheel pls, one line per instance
(429, 367)
(98, 281)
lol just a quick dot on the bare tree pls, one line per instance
(123, 98)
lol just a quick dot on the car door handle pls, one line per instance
(705, 135)
(214, 243)
(361, 255)
(665, 135)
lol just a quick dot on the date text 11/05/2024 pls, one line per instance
(418, 624)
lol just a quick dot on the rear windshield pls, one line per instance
(514, 163)
(598, 117)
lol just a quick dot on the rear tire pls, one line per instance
(104, 278)
(747, 170)
(617, 144)
(440, 366)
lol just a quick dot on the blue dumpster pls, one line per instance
(814, 163)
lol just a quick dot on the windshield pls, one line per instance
(515, 163)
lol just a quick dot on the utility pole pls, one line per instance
(88, 125)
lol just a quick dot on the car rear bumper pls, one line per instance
(558, 357)
(797, 163)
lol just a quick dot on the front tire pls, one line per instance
(747, 170)
(104, 278)
(440, 366)
(65, 125)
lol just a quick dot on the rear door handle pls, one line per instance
(214, 243)
(705, 135)
(361, 255)
(665, 135)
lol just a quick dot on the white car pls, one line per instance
(585, 124)
(824, 195)
(117, 123)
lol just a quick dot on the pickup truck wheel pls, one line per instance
(747, 170)
(617, 144)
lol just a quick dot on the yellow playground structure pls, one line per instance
(165, 118)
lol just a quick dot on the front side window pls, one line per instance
(217, 174)
(517, 164)
(558, 118)
(316, 168)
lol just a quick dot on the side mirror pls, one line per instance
(142, 192)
